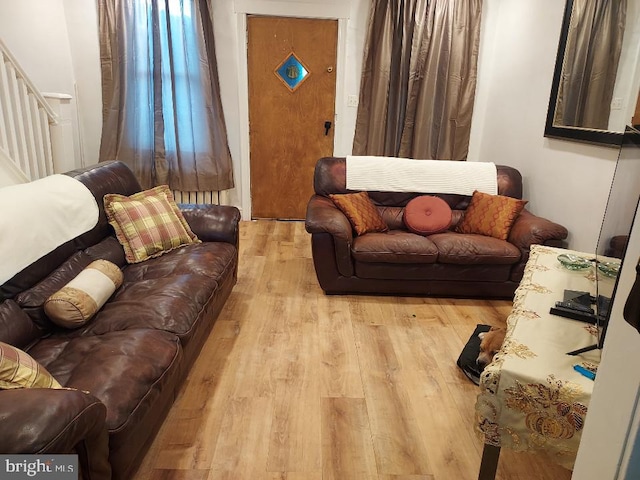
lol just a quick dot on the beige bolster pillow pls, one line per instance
(74, 304)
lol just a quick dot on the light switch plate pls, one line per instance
(616, 103)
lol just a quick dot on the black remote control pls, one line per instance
(575, 306)
(574, 314)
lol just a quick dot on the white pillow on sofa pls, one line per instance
(74, 304)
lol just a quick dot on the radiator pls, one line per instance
(200, 198)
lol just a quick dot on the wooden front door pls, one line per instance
(292, 85)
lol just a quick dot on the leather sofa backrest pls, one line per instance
(330, 178)
(100, 179)
(30, 287)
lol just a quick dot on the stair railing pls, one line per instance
(26, 119)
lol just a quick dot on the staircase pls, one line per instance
(26, 123)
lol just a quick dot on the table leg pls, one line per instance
(489, 464)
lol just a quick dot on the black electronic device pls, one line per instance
(579, 297)
(572, 313)
(577, 306)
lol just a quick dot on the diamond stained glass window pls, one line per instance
(292, 72)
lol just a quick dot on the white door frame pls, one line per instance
(283, 8)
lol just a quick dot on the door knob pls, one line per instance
(327, 127)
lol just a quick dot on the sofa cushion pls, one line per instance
(491, 215)
(463, 249)
(148, 224)
(392, 217)
(16, 328)
(426, 215)
(395, 246)
(108, 249)
(361, 212)
(168, 292)
(32, 300)
(437, 272)
(126, 371)
(19, 370)
(74, 304)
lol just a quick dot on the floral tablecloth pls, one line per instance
(531, 398)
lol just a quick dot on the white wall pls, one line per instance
(82, 23)
(613, 417)
(227, 40)
(564, 181)
(35, 31)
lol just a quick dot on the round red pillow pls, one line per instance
(426, 215)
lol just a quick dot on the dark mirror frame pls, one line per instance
(598, 137)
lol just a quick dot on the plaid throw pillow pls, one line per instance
(148, 224)
(19, 370)
(361, 212)
(491, 215)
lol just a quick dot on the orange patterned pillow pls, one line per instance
(361, 212)
(491, 215)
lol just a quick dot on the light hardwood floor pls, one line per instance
(296, 385)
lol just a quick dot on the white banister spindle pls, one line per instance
(7, 113)
(46, 143)
(32, 160)
(38, 139)
(4, 139)
(26, 123)
(16, 110)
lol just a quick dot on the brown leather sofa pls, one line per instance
(402, 263)
(124, 367)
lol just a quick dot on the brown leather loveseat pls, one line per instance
(125, 366)
(402, 263)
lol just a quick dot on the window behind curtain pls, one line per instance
(162, 109)
(181, 83)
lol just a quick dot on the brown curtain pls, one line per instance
(162, 113)
(418, 79)
(591, 58)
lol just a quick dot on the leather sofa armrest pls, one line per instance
(324, 217)
(39, 420)
(213, 223)
(530, 229)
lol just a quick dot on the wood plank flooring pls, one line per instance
(296, 385)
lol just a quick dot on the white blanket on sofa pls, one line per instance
(389, 174)
(38, 217)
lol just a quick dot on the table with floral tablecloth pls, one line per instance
(531, 397)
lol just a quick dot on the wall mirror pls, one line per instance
(596, 81)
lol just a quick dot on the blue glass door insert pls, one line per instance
(292, 72)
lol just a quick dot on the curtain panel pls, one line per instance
(162, 113)
(418, 79)
(591, 58)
